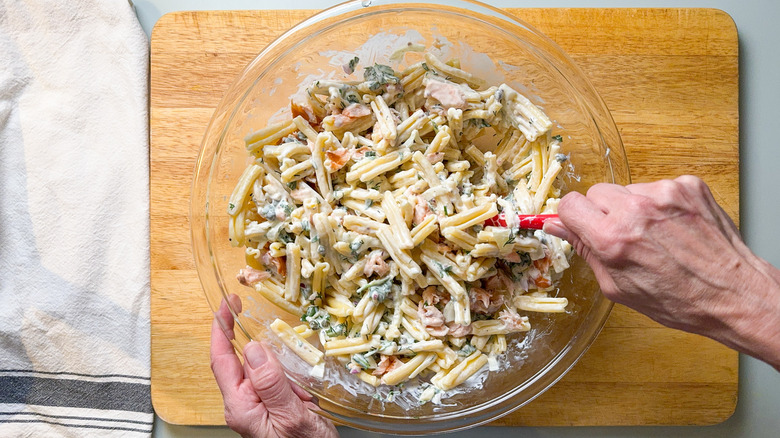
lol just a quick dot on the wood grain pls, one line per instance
(669, 77)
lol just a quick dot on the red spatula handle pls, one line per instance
(527, 221)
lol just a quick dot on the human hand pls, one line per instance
(260, 402)
(669, 251)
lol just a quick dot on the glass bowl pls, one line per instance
(488, 42)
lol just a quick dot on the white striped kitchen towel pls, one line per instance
(74, 226)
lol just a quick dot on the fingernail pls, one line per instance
(553, 228)
(255, 354)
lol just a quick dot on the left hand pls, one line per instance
(260, 402)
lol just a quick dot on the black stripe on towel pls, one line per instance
(122, 396)
(88, 426)
(71, 417)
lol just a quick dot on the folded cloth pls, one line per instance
(74, 225)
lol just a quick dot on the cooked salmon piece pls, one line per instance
(376, 264)
(250, 276)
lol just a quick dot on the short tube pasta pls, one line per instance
(363, 213)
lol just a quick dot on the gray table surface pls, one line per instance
(758, 409)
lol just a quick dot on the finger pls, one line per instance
(269, 381)
(580, 216)
(667, 196)
(606, 283)
(224, 318)
(606, 195)
(556, 228)
(225, 365)
(302, 394)
(235, 303)
(686, 192)
(649, 189)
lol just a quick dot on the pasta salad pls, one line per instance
(363, 215)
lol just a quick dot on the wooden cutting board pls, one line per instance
(670, 78)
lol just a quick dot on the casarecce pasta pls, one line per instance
(363, 215)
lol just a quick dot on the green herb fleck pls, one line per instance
(336, 329)
(355, 247)
(391, 396)
(480, 123)
(377, 289)
(466, 350)
(352, 64)
(352, 97)
(380, 75)
(385, 344)
(316, 317)
(360, 360)
(284, 237)
(444, 271)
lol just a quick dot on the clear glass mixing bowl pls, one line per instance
(488, 42)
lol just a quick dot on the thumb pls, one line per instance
(269, 381)
(578, 224)
(580, 217)
(556, 228)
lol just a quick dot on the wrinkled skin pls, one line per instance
(666, 249)
(260, 402)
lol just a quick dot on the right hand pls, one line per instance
(260, 402)
(667, 249)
